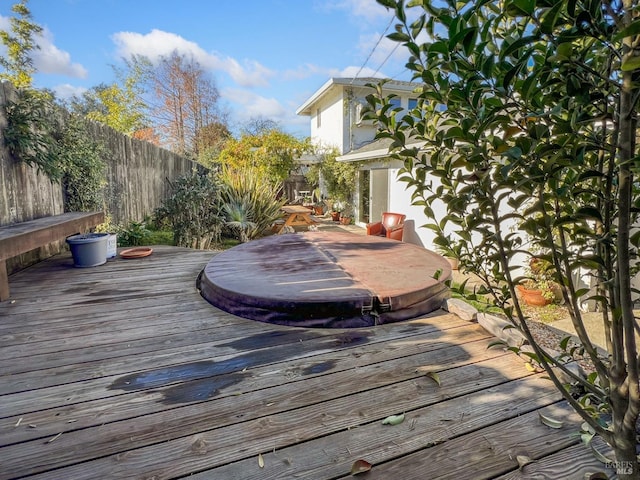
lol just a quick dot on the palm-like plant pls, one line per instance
(237, 213)
(251, 201)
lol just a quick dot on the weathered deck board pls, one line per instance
(144, 379)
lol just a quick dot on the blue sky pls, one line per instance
(266, 56)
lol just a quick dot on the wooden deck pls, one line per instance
(124, 371)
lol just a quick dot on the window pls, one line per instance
(413, 103)
(318, 118)
(360, 107)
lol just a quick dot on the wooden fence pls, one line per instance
(137, 180)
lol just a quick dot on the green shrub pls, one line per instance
(160, 237)
(58, 145)
(30, 134)
(134, 235)
(193, 211)
(82, 166)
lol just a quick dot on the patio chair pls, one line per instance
(391, 226)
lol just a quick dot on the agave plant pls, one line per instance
(250, 201)
(237, 213)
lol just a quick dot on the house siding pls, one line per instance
(330, 133)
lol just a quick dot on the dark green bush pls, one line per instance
(193, 211)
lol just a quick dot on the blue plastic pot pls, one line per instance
(88, 250)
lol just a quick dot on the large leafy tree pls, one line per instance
(271, 152)
(528, 112)
(19, 43)
(119, 105)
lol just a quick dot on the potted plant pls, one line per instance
(318, 204)
(346, 214)
(336, 211)
(539, 289)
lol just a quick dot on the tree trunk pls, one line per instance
(625, 391)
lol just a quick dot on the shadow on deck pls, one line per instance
(124, 371)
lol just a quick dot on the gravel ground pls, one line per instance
(550, 334)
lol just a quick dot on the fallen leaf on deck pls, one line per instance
(602, 458)
(434, 376)
(596, 476)
(393, 420)
(260, 461)
(427, 373)
(550, 422)
(497, 343)
(523, 460)
(360, 466)
(585, 427)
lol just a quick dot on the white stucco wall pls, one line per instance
(400, 202)
(331, 130)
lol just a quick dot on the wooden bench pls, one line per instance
(26, 236)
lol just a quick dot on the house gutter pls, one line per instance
(356, 157)
(372, 154)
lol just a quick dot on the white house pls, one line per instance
(336, 121)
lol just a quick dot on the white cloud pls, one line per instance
(353, 71)
(248, 105)
(159, 43)
(304, 71)
(66, 91)
(50, 59)
(368, 10)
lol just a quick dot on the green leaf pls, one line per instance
(602, 458)
(496, 343)
(550, 422)
(565, 50)
(590, 213)
(514, 153)
(393, 420)
(629, 64)
(632, 30)
(399, 37)
(550, 18)
(516, 45)
(469, 41)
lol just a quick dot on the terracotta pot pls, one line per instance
(318, 210)
(335, 216)
(345, 220)
(532, 297)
